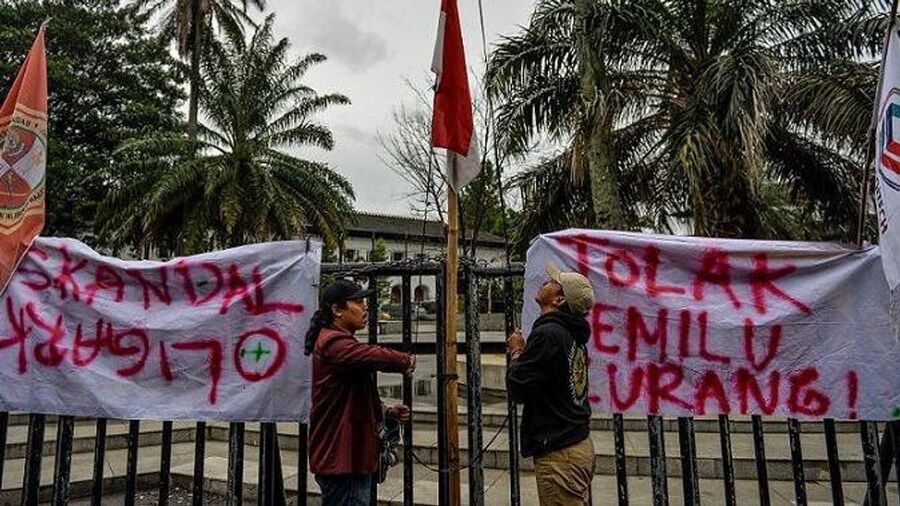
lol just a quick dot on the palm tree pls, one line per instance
(550, 201)
(241, 186)
(188, 23)
(707, 112)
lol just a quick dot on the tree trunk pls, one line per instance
(196, 42)
(193, 101)
(604, 183)
(594, 93)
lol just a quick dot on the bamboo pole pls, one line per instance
(873, 128)
(450, 384)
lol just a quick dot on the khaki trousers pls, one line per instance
(564, 476)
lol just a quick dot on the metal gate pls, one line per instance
(27, 488)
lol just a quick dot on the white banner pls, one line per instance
(887, 162)
(217, 336)
(687, 326)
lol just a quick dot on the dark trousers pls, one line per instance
(346, 490)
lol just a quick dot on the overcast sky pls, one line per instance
(373, 47)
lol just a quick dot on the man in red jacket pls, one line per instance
(346, 408)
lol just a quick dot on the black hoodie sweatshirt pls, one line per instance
(551, 379)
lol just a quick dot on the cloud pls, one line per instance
(357, 134)
(332, 32)
(373, 46)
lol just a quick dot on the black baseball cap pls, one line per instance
(343, 290)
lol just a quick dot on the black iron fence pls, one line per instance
(880, 452)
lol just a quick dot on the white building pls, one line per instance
(411, 238)
(404, 238)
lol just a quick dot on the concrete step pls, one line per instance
(389, 492)
(182, 470)
(22, 418)
(496, 457)
(709, 462)
(425, 479)
(712, 492)
(637, 452)
(85, 436)
(493, 416)
(496, 484)
(604, 488)
(83, 467)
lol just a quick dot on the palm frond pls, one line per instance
(710, 113)
(232, 185)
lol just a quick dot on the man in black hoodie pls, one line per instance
(549, 375)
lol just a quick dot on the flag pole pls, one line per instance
(450, 385)
(867, 429)
(873, 128)
(452, 129)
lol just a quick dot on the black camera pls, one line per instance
(388, 440)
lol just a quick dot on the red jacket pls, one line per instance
(346, 407)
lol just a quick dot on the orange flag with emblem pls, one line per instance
(23, 160)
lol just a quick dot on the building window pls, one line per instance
(350, 255)
(397, 256)
(396, 295)
(421, 293)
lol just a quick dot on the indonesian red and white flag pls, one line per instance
(453, 126)
(23, 160)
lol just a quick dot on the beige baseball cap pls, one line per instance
(576, 288)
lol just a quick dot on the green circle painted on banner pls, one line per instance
(256, 354)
